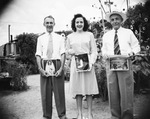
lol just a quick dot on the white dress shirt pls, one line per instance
(58, 46)
(127, 41)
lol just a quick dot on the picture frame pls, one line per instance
(82, 63)
(48, 65)
(119, 63)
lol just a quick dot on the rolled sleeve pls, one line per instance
(135, 46)
(38, 48)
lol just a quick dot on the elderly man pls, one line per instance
(119, 42)
(50, 55)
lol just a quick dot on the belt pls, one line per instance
(51, 59)
(44, 61)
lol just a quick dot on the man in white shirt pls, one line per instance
(120, 83)
(50, 55)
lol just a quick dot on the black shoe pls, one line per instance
(63, 117)
(46, 117)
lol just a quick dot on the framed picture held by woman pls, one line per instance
(82, 63)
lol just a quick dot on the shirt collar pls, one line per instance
(49, 34)
(117, 30)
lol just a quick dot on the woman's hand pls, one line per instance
(71, 52)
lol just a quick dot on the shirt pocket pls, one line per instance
(44, 49)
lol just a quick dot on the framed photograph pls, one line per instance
(82, 63)
(119, 63)
(49, 66)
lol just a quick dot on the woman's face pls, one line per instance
(79, 24)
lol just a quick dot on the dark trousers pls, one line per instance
(120, 92)
(48, 86)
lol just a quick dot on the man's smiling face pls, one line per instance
(49, 23)
(116, 21)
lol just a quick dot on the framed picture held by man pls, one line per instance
(119, 63)
(49, 66)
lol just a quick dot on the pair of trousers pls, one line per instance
(50, 85)
(120, 92)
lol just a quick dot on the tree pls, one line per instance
(139, 21)
(27, 48)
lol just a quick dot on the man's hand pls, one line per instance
(105, 57)
(58, 73)
(43, 72)
(131, 54)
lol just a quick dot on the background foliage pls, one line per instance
(139, 22)
(19, 73)
(27, 48)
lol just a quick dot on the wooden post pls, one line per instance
(127, 4)
(102, 16)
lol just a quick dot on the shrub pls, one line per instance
(26, 43)
(100, 72)
(141, 68)
(19, 73)
(67, 67)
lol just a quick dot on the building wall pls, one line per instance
(2, 50)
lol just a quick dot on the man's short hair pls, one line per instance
(50, 16)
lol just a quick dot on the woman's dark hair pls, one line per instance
(86, 25)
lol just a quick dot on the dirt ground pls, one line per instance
(27, 104)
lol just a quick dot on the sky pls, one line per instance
(27, 15)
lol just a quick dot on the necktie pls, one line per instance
(116, 45)
(50, 47)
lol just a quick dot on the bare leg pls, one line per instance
(79, 106)
(89, 104)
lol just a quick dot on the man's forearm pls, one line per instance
(63, 57)
(38, 60)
